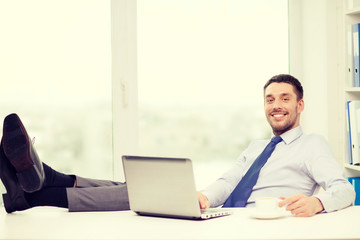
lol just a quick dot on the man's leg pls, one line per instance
(107, 198)
(56, 179)
(53, 188)
(87, 195)
(16, 199)
(53, 192)
(59, 191)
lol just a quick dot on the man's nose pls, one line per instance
(277, 104)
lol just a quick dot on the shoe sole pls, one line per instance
(29, 180)
(18, 149)
(16, 143)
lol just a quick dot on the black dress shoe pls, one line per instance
(19, 150)
(14, 199)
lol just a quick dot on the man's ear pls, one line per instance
(301, 105)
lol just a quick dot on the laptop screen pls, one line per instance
(163, 186)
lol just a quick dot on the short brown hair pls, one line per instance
(286, 78)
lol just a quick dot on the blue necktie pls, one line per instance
(240, 195)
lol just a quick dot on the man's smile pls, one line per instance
(278, 115)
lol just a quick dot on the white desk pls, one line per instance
(55, 223)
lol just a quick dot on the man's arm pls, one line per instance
(327, 172)
(301, 205)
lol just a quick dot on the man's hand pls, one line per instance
(301, 205)
(203, 201)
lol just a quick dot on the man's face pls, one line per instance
(282, 108)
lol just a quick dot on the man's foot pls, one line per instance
(22, 155)
(14, 199)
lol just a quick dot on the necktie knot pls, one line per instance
(276, 139)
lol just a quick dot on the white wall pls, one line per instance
(313, 59)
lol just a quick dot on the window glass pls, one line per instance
(55, 59)
(201, 70)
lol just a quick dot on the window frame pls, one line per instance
(124, 82)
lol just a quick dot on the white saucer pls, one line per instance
(268, 215)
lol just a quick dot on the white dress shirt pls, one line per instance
(299, 164)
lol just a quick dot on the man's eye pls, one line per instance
(269, 100)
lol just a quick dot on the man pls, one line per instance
(298, 166)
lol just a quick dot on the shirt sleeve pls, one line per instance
(336, 192)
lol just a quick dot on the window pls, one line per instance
(55, 59)
(201, 69)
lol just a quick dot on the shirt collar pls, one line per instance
(291, 135)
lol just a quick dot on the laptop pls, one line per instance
(164, 187)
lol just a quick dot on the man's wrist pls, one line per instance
(319, 206)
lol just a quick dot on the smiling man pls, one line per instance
(283, 105)
(298, 166)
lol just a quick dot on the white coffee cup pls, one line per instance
(269, 205)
